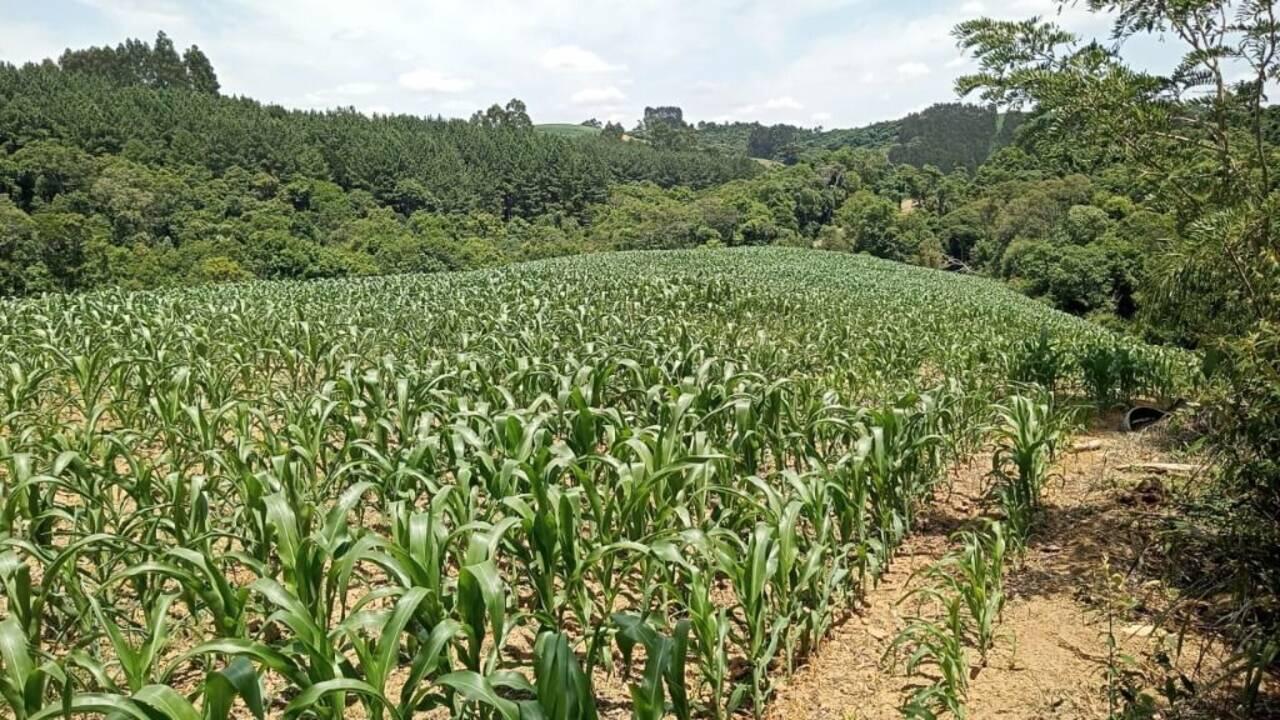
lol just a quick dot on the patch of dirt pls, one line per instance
(1052, 659)
(847, 677)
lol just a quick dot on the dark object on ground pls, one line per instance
(1150, 491)
(1143, 416)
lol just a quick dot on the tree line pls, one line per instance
(946, 136)
(119, 166)
(126, 166)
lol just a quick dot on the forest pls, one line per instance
(126, 167)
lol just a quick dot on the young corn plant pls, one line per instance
(25, 678)
(1039, 359)
(662, 688)
(939, 645)
(975, 575)
(563, 690)
(216, 696)
(752, 569)
(1027, 438)
(710, 627)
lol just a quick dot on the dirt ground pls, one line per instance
(1052, 661)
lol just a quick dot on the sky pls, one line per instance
(834, 63)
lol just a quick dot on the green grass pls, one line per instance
(568, 130)
(309, 489)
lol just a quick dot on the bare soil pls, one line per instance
(1054, 656)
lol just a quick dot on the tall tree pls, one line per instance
(164, 68)
(200, 73)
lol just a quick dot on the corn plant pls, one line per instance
(710, 626)
(975, 575)
(662, 686)
(1039, 359)
(1027, 439)
(941, 646)
(469, 493)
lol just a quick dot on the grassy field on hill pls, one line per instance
(487, 489)
(569, 130)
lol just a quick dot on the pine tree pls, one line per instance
(164, 67)
(200, 74)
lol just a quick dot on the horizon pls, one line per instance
(828, 63)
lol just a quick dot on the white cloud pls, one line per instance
(433, 81)
(161, 13)
(786, 102)
(913, 69)
(821, 117)
(556, 54)
(598, 96)
(27, 41)
(344, 94)
(356, 88)
(770, 106)
(571, 58)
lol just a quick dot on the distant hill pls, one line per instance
(945, 135)
(953, 135)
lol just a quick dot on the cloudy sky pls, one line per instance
(837, 63)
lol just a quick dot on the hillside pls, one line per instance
(947, 136)
(787, 142)
(494, 162)
(126, 166)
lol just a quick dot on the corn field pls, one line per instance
(499, 494)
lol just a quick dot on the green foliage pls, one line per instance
(974, 576)
(1039, 359)
(1085, 223)
(947, 136)
(139, 183)
(940, 647)
(1076, 279)
(1116, 375)
(1201, 138)
(782, 207)
(134, 172)
(134, 62)
(569, 130)
(954, 135)
(869, 221)
(386, 492)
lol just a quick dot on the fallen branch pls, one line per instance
(1162, 468)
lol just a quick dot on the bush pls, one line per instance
(1077, 279)
(219, 269)
(870, 223)
(1085, 223)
